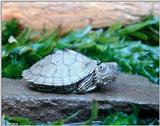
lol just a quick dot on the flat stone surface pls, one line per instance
(19, 100)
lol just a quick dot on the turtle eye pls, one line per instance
(100, 67)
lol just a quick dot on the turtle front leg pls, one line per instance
(86, 85)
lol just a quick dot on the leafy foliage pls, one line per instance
(121, 118)
(126, 45)
(20, 55)
(9, 28)
(16, 120)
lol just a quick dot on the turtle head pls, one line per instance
(106, 73)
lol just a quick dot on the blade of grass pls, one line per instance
(135, 27)
(94, 113)
(62, 121)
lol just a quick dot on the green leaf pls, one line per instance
(144, 72)
(83, 32)
(98, 33)
(18, 120)
(32, 57)
(115, 27)
(140, 35)
(76, 35)
(72, 116)
(58, 122)
(62, 121)
(24, 36)
(24, 50)
(64, 45)
(47, 46)
(14, 69)
(9, 28)
(125, 65)
(94, 113)
(81, 46)
(135, 27)
(104, 39)
(8, 48)
(120, 118)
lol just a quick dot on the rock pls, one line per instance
(71, 15)
(19, 100)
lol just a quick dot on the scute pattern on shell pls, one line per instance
(63, 67)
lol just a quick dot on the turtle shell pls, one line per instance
(62, 67)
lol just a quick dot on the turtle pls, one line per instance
(68, 71)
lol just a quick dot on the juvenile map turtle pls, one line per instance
(67, 71)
